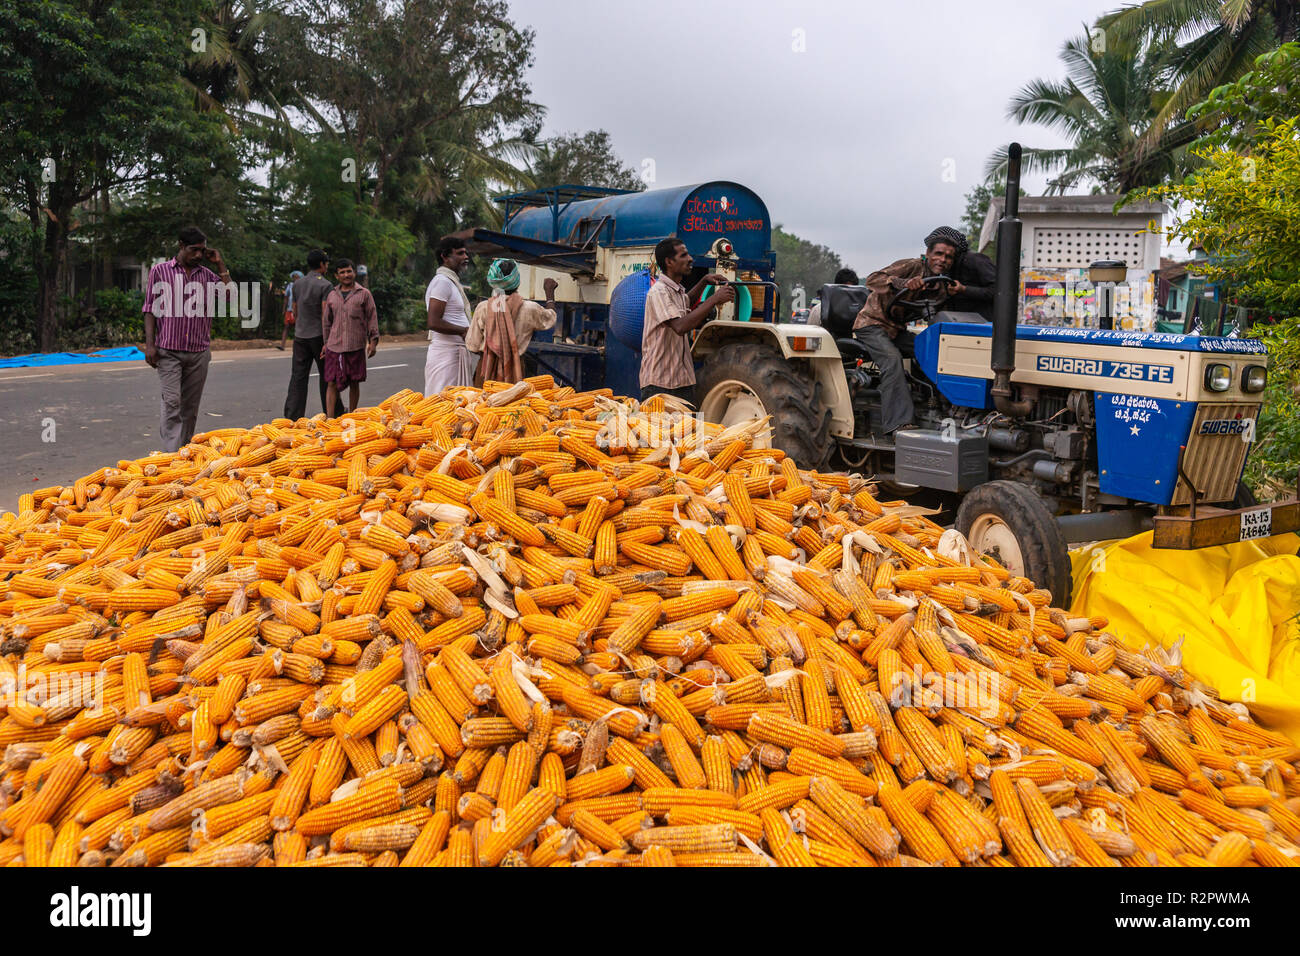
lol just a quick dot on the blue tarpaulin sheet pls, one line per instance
(126, 354)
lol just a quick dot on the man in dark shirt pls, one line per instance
(309, 294)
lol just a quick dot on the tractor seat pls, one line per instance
(840, 305)
(852, 349)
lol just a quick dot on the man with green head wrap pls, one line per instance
(503, 325)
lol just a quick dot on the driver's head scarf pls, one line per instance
(951, 236)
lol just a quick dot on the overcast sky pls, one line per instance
(847, 142)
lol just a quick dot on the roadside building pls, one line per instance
(1063, 236)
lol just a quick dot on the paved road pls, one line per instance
(103, 413)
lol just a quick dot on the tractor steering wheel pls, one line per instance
(923, 307)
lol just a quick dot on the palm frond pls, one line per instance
(1235, 14)
(1160, 18)
(1031, 160)
(1217, 57)
(1054, 105)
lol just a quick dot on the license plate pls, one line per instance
(1256, 524)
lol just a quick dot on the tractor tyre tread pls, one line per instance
(801, 421)
(1042, 545)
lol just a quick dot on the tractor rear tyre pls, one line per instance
(1009, 522)
(743, 381)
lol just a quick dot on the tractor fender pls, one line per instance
(823, 358)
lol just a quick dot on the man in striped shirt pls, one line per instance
(178, 317)
(666, 364)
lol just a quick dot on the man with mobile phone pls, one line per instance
(178, 331)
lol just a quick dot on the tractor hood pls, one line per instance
(954, 355)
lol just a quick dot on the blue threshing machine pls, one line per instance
(590, 239)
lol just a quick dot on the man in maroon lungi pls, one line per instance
(350, 325)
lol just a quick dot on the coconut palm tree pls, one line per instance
(1214, 41)
(1107, 103)
(587, 158)
(236, 64)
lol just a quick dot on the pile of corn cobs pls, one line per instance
(524, 626)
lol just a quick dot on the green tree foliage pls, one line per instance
(801, 263)
(233, 65)
(90, 100)
(1210, 43)
(327, 213)
(1244, 210)
(1243, 207)
(1273, 462)
(18, 286)
(1241, 111)
(586, 159)
(1110, 102)
(430, 98)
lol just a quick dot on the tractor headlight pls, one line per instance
(800, 343)
(1254, 378)
(1218, 378)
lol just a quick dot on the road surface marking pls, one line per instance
(369, 368)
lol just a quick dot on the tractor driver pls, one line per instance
(881, 326)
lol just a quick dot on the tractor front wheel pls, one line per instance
(744, 381)
(1009, 522)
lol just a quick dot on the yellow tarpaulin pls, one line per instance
(1236, 609)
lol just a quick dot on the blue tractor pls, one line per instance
(1029, 438)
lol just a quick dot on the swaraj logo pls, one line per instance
(75, 909)
(1070, 366)
(1227, 426)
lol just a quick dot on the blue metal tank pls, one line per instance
(623, 341)
(627, 308)
(696, 214)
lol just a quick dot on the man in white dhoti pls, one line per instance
(448, 363)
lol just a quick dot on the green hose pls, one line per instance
(744, 301)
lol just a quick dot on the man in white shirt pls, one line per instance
(448, 362)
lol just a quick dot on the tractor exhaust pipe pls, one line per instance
(1006, 301)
